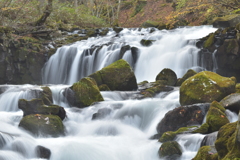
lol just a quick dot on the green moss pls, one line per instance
(86, 92)
(104, 87)
(167, 75)
(209, 41)
(143, 82)
(203, 129)
(204, 153)
(216, 117)
(226, 18)
(206, 87)
(146, 43)
(169, 148)
(170, 135)
(187, 75)
(45, 125)
(223, 139)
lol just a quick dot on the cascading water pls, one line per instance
(173, 49)
(125, 129)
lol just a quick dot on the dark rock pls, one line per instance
(209, 139)
(182, 117)
(43, 152)
(231, 102)
(187, 75)
(167, 75)
(102, 113)
(146, 43)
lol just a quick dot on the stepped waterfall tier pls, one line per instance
(122, 126)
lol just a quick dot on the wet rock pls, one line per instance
(209, 139)
(182, 117)
(170, 150)
(43, 152)
(101, 113)
(36, 106)
(85, 92)
(146, 42)
(206, 87)
(42, 125)
(167, 75)
(206, 153)
(117, 76)
(216, 117)
(104, 87)
(231, 102)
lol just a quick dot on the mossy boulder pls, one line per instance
(149, 23)
(36, 106)
(85, 92)
(183, 116)
(216, 117)
(206, 153)
(170, 135)
(170, 150)
(117, 76)
(206, 87)
(104, 87)
(187, 75)
(167, 75)
(225, 139)
(43, 125)
(226, 21)
(231, 102)
(46, 95)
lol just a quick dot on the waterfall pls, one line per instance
(125, 126)
(174, 49)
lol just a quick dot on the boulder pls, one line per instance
(170, 150)
(205, 87)
(231, 102)
(182, 117)
(43, 125)
(209, 139)
(146, 42)
(117, 76)
(187, 75)
(167, 75)
(36, 106)
(85, 92)
(43, 152)
(226, 21)
(225, 139)
(216, 117)
(206, 153)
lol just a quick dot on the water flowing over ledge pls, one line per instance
(174, 49)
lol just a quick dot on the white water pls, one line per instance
(174, 49)
(125, 132)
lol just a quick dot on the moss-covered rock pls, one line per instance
(203, 129)
(37, 106)
(226, 21)
(46, 95)
(117, 76)
(146, 42)
(206, 153)
(224, 142)
(216, 117)
(231, 102)
(167, 75)
(43, 125)
(187, 75)
(86, 92)
(205, 87)
(170, 135)
(104, 87)
(170, 150)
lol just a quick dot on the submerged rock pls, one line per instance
(206, 87)
(43, 152)
(167, 75)
(43, 125)
(170, 150)
(84, 93)
(117, 76)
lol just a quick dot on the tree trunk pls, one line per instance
(45, 15)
